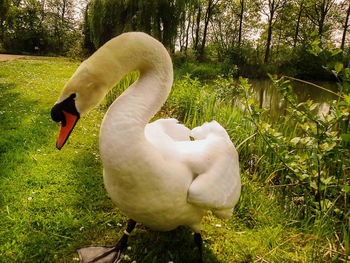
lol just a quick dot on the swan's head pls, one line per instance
(102, 70)
(81, 93)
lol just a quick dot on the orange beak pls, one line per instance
(66, 129)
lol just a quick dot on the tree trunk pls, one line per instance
(197, 28)
(279, 42)
(240, 23)
(345, 28)
(60, 44)
(187, 30)
(206, 23)
(318, 13)
(298, 24)
(268, 43)
(320, 26)
(325, 7)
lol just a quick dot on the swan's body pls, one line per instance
(153, 172)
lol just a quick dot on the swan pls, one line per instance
(154, 172)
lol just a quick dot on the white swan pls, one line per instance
(153, 172)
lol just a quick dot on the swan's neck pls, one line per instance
(123, 125)
(130, 113)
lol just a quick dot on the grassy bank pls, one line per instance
(53, 202)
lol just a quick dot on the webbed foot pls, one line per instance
(107, 254)
(100, 254)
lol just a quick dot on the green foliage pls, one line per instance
(318, 158)
(4, 8)
(95, 20)
(38, 27)
(106, 19)
(313, 159)
(204, 71)
(303, 64)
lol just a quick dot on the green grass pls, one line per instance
(53, 202)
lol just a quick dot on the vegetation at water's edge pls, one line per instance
(295, 181)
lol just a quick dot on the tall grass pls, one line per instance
(122, 85)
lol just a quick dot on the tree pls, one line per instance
(210, 6)
(272, 12)
(25, 27)
(4, 8)
(300, 4)
(186, 22)
(345, 27)
(61, 16)
(87, 44)
(241, 15)
(39, 26)
(109, 18)
(198, 21)
(317, 12)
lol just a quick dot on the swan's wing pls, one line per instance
(211, 157)
(219, 187)
(172, 128)
(164, 133)
(215, 160)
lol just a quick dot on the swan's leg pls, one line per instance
(199, 242)
(120, 247)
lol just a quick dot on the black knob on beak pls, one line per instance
(56, 113)
(67, 105)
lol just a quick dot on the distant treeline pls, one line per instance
(257, 36)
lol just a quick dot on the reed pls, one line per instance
(118, 89)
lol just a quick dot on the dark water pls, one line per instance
(269, 97)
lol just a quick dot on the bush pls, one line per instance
(205, 71)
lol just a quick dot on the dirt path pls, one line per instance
(4, 57)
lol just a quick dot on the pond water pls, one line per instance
(269, 97)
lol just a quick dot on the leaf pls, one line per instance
(251, 101)
(327, 147)
(327, 180)
(326, 203)
(345, 188)
(336, 52)
(338, 67)
(347, 98)
(314, 33)
(345, 137)
(265, 126)
(314, 106)
(313, 184)
(309, 102)
(295, 140)
(303, 177)
(312, 52)
(346, 73)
